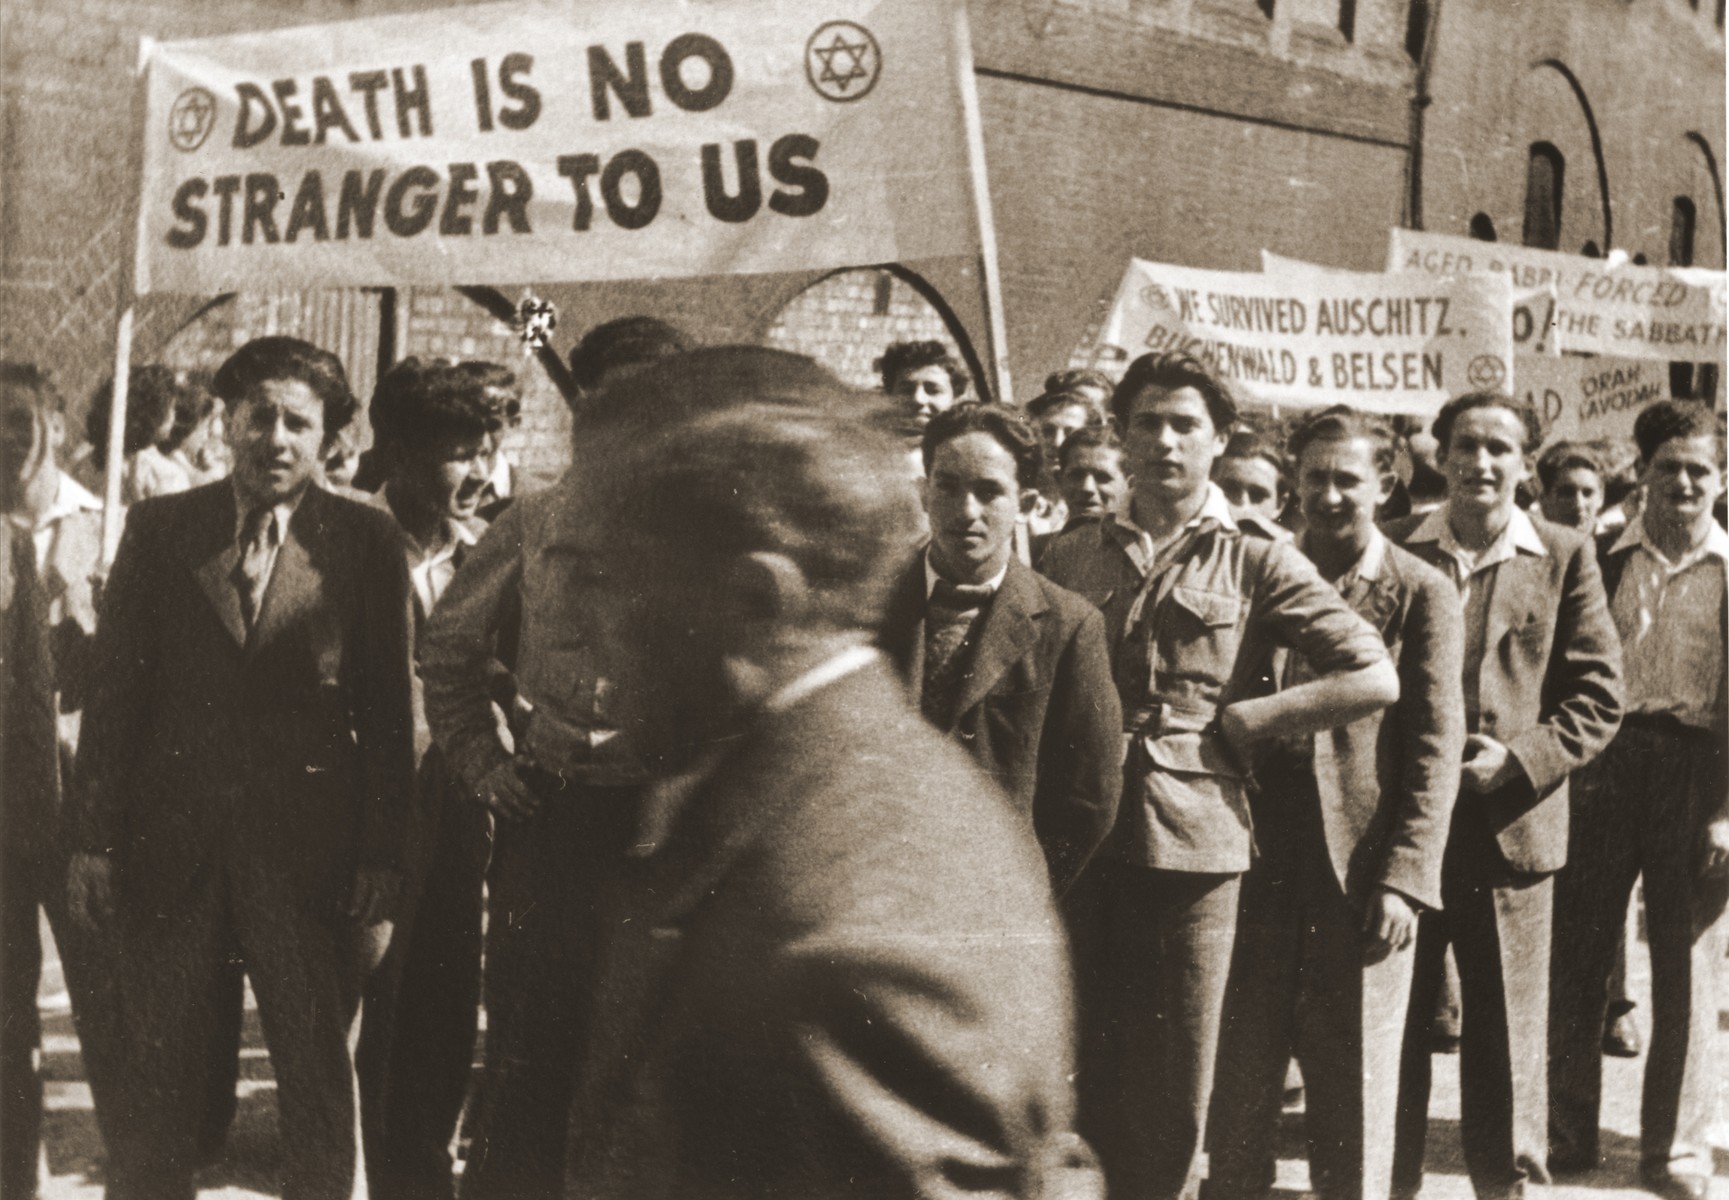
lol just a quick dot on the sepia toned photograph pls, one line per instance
(880, 599)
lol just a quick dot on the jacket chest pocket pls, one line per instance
(1198, 632)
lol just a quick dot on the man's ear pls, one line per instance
(1384, 492)
(765, 586)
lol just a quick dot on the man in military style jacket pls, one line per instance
(1193, 603)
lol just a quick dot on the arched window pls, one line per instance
(1545, 172)
(1483, 229)
(1683, 216)
(1417, 29)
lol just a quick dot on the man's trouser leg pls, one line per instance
(1591, 894)
(20, 1030)
(1170, 937)
(1257, 1036)
(1416, 1071)
(1350, 1030)
(548, 877)
(170, 955)
(437, 1014)
(1502, 930)
(1301, 982)
(1651, 795)
(305, 964)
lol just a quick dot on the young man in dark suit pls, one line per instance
(247, 772)
(1542, 684)
(1007, 663)
(1193, 603)
(1350, 825)
(833, 966)
(1656, 806)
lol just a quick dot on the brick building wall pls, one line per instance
(846, 320)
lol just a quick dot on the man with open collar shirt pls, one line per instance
(1350, 825)
(1654, 805)
(1542, 698)
(1193, 605)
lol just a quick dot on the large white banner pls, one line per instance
(559, 140)
(1387, 343)
(1584, 399)
(1670, 313)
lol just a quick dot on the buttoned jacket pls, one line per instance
(1549, 684)
(1190, 635)
(286, 747)
(1387, 783)
(1037, 709)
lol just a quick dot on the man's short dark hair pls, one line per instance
(1082, 377)
(495, 377)
(1567, 456)
(284, 358)
(765, 450)
(1169, 370)
(627, 342)
(1050, 402)
(1007, 426)
(1341, 422)
(152, 393)
(1665, 420)
(1099, 437)
(902, 358)
(192, 406)
(1527, 417)
(421, 399)
(30, 380)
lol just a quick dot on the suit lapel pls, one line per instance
(295, 581)
(213, 557)
(904, 625)
(1009, 627)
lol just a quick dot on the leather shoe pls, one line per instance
(1621, 1039)
(1671, 1186)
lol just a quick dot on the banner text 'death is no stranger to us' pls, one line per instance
(1386, 343)
(544, 140)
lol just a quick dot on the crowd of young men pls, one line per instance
(814, 843)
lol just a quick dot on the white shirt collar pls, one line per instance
(1520, 536)
(456, 533)
(1369, 563)
(70, 496)
(820, 676)
(280, 515)
(1214, 507)
(1716, 542)
(931, 577)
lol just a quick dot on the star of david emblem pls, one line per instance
(1155, 296)
(842, 61)
(1486, 371)
(191, 119)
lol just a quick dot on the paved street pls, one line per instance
(249, 1167)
